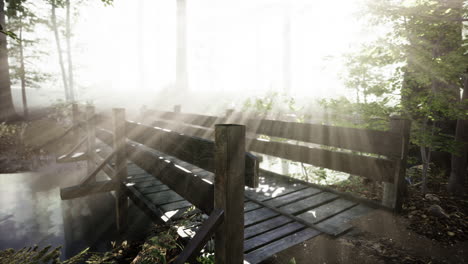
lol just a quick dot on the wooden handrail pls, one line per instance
(57, 138)
(202, 236)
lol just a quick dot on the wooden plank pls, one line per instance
(145, 184)
(292, 197)
(164, 197)
(311, 202)
(196, 151)
(369, 167)
(193, 119)
(265, 226)
(87, 189)
(268, 250)
(327, 210)
(92, 175)
(229, 192)
(153, 189)
(249, 206)
(364, 140)
(267, 192)
(91, 139)
(202, 236)
(271, 235)
(191, 187)
(340, 223)
(144, 204)
(258, 215)
(175, 205)
(196, 131)
(74, 157)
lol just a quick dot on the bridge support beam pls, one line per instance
(120, 168)
(229, 192)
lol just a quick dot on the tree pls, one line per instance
(7, 109)
(429, 58)
(24, 51)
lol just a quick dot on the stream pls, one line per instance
(32, 213)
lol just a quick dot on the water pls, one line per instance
(32, 213)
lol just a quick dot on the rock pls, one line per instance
(436, 210)
(432, 198)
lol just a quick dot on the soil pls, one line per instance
(419, 234)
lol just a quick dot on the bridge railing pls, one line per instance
(222, 199)
(376, 155)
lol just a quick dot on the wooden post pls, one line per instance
(177, 108)
(229, 192)
(91, 141)
(394, 193)
(120, 167)
(75, 120)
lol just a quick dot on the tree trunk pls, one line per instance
(59, 50)
(7, 109)
(23, 72)
(69, 53)
(459, 160)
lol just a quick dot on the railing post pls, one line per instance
(75, 121)
(229, 192)
(394, 193)
(177, 108)
(120, 167)
(91, 141)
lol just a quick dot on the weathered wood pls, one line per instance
(193, 119)
(175, 205)
(268, 250)
(311, 202)
(152, 189)
(91, 138)
(258, 215)
(369, 167)
(340, 223)
(202, 236)
(196, 151)
(327, 210)
(271, 235)
(87, 189)
(92, 176)
(229, 192)
(193, 188)
(369, 141)
(75, 120)
(395, 191)
(265, 226)
(120, 167)
(164, 197)
(249, 206)
(268, 191)
(144, 204)
(292, 197)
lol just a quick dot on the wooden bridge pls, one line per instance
(167, 164)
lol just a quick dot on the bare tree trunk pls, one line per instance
(7, 109)
(23, 72)
(459, 160)
(59, 50)
(181, 53)
(69, 53)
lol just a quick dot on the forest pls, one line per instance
(213, 131)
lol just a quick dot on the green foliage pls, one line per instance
(207, 258)
(35, 255)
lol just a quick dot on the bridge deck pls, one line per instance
(271, 211)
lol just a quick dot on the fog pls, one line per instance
(125, 54)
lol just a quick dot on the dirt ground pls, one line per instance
(380, 237)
